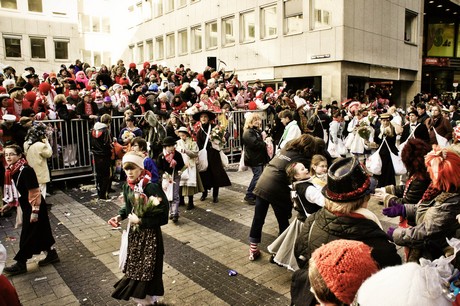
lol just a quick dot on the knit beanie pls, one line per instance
(134, 158)
(30, 96)
(344, 265)
(44, 87)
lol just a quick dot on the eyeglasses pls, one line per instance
(10, 154)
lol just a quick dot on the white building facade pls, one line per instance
(337, 46)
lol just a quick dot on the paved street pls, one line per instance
(200, 249)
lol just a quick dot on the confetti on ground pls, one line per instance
(41, 278)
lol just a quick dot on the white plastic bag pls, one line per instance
(332, 149)
(441, 140)
(167, 185)
(341, 148)
(242, 166)
(223, 158)
(202, 162)
(374, 162)
(123, 254)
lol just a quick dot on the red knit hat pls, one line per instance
(344, 266)
(44, 87)
(30, 96)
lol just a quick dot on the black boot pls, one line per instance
(181, 201)
(204, 195)
(51, 257)
(190, 205)
(215, 195)
(16, 269)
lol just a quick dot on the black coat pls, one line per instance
(325, 227)
(215, 175)
(421, 132)
(255, 150)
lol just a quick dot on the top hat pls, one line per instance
(348, 181)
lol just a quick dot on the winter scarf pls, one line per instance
(11, 194)
(140, 182)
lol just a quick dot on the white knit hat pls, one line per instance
(134, 158)
(408, 284)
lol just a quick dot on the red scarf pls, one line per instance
(88, 109)
(170, 158)
(10, 193)
(430, 193)
(141, 181)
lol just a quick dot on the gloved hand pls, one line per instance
(392, 202)
(390, 232)
(394, 211)
(133, 218)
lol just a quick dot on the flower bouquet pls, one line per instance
(218, 137)
(143, 205)
(364, 130)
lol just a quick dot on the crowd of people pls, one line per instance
(303, 154)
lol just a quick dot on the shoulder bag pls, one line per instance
(202, 162)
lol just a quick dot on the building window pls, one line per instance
(228, 34)
(37, 46)
(196, 38)
(87, 58)
(97, 59)
(169, 6)
(248, 27)
(140, 52)
(158, 8)
(183, 42)
(9, 4)
(96, 25)
(12, 46)
(35, 6)
(293, 16)
(105, 28)
(170, 45)
(182, 3)
(160, 48)
(321, 14)
(85, 23)
(211, 35)
(268, 22)
(149, 44)
(61, 49)
(131, 53)
(58, 7)
(410, 27)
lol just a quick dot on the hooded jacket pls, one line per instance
(101, 140)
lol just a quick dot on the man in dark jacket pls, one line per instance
(418, 130)
(101, 146)
(345, 216)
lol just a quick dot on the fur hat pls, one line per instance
(348, 181)
(344, 265)
(406, 284)
(134, 158)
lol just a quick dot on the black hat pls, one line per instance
(347, 181)
(73, 86)
(168, 141)
(16, 88)
(31, 69)
(414, 112)
(210, 114)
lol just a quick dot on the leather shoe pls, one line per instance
(203, 196)
(51, 257)
(215, 200)
(16, 269)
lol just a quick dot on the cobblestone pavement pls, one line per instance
(199, 250)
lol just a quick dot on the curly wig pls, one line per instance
(413, 156)
(443, 165)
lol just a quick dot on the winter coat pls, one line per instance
(323, 227)
(163, 165)
(37, 155)
(291, 131)
(255, 150)
(443, 128)
(101, 140)
(436, 221)
(421, 132)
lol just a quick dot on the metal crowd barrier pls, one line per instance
(72, 157)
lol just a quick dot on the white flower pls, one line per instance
(155, 201)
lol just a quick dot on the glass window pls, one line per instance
(37, 46)
(293, 16)
(158, 8)
(410, 27)
(87, 56)
(442, 43)
(160, 48)
(105, 24)
(85, 23)
(12, 47)
(170, 45)
(96, 24)
(58, 7)
(149, 44)
(228, 34)
(321, 14)
(248, 26)
(35, 6)
(140, 52)
(268, 26)
(61, 49)
(211, 35)
(97, 59)
(196, 38)
(183, 42)
(131, 53)
(9, 4)
(182, 3)
(169, 5)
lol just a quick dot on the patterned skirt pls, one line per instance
(143, 268)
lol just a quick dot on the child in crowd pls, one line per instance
(307, 198)
(170, 162)
(138, 144)
(190, 182)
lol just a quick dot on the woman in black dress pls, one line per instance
(21, 190)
